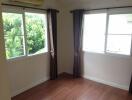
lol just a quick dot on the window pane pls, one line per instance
(13, 24)
(94, 32)
(120, 24)
(13, 31)
(14, 46)
(36, 32)
(94, 43)
(119, 44)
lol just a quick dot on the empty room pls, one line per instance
(65, 49)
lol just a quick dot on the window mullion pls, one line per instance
(25, 35)
(106, 32)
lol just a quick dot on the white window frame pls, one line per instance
(108, 13)
(20, 10)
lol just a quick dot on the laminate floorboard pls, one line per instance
(68, 88)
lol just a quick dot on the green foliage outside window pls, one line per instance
(13, 34)
(35, 32)
(15, 37)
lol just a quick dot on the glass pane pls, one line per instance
(94, 43)
(120, 24)
(14, 46)
(13, 32)
(119, 44)
(94, 32)
(36, 32)
(13, 24)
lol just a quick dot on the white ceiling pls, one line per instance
(71, 3)
(76, 4)
(84, 1)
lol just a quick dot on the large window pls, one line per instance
(14, 35)
(107, 33)
(25, 33)
(35, 29)
(94, 32)
(119, 34)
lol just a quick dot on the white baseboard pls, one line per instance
(29, 86)
(113, 84)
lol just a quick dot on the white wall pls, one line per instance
(108, 69)
(28, 72)
(65, 42)
(113, 70)
(4, 83)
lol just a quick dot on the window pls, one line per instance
(35, 29)
(94, 32)
(107, 33)
(119, 34)
(13, 33)
(24, 35)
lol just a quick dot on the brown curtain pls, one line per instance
(77, 25)
(130, 89)
(52, 34)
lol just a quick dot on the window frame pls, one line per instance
(46, 35)
(108, 13)
(95, 12)
(23, 11)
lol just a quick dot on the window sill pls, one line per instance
(25, 57)
(108, 54)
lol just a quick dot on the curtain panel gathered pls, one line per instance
(130, 89)
(77, 28)
(52, 34)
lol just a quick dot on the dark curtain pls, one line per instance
(52, 34)
(77, 26)
(130, 89)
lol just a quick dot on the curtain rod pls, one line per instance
(101, 8)
(5, 4)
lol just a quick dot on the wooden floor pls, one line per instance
(67, 88)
